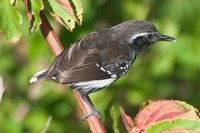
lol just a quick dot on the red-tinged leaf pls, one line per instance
(68, 7)
(163, 110)
(157, 111)
(127, 120)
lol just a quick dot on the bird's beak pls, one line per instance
(167, 38)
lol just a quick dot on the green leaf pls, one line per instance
(174, 124)
(10, 20)
(115, 117)
(61, 15)
(79, 10)
(185, 105)
(36, 7)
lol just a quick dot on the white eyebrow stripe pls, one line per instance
(142, 34)
(137, 35)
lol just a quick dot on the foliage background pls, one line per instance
(164, 71)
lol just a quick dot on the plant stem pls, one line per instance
(56, 47)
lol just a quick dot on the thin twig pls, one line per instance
(47, 124)
(1, 88)
(56, 47)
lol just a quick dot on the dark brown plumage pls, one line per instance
(102, 57)
(80, 61)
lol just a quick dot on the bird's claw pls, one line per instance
(94, 112)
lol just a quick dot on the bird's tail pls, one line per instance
(39, 75)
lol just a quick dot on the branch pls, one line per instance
(56, 47)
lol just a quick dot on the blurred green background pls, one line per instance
(163, 71)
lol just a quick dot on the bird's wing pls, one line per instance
(101, 55)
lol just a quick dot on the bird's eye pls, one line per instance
(150, 36)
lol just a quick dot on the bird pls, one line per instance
(100, 58)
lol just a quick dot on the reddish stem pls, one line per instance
(56, 47)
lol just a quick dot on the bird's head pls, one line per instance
(140, 34)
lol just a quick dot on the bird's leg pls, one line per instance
(94, 111)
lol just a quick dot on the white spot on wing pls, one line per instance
(108, 72)
(114, 76)
(97, 65)
(102, 69)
